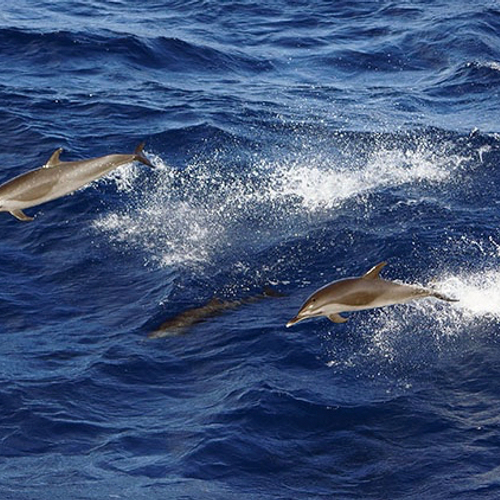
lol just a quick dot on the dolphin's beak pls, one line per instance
(293, 321)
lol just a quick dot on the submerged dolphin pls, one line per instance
(356, 294)
(58, 178)
(184, 321)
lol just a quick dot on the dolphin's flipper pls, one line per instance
(373, 273)
(54, 159)
(139, 155)
(337, 318)
(20, 215)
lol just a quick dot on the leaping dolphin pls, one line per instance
(58, 178)
(356, 294)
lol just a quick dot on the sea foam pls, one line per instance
(189, 216)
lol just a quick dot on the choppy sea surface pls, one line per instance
(294, 143)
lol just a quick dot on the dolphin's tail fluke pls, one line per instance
(441, 296)
(139, 155)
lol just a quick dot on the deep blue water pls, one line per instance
(294, 143)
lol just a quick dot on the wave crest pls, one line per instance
(209, 209)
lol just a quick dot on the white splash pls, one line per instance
(321, 186)
(409, 337)
(188, 216)
(494, 65)
(423, 329)
(124, 176)
(478, 293)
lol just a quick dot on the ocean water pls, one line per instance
(294, 143)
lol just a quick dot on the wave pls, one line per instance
(210, 208)
(466, 79)
(84, 51)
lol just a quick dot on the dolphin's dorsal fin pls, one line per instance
(337, 318)
(373, 273)
(54, 159)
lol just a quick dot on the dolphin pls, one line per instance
(356, 294)
(185, 320)
(58, 178)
